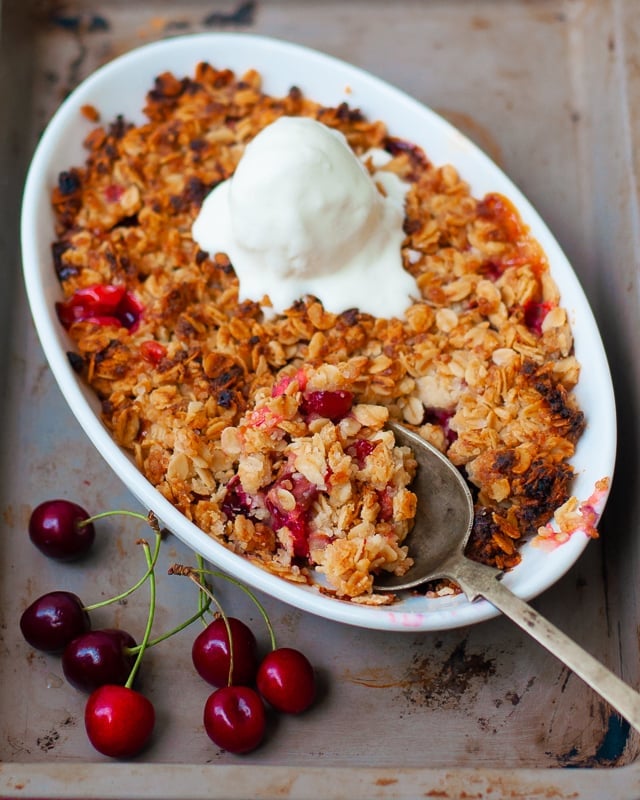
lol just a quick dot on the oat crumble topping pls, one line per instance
(270, 434)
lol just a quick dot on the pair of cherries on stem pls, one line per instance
(225, 654)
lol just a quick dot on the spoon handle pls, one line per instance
(477, 580)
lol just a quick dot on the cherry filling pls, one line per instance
(493, 269)
(534, 314)
(360, 449)
(334, 405)
(101, 304)
(297, 518)
(441, 417)
(281, 387)
(153, 352)
(113, 192)
(385, 498)
(237, 502)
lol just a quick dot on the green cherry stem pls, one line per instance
(202, 597)
(152, 609)
(121, 512)
(153, 522)
(204, 604)
(152, 642)
(193, 574)
(192, 571)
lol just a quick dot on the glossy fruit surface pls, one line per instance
(286, 680)
(119, 721)
(296, 519)
(331, 404)
(53, 620)
(101, 304)
(98, 657)
(235, 719)
(55, 530)
(211, 653)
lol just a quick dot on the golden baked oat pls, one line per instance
(270, 433)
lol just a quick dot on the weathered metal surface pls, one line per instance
(550, 90)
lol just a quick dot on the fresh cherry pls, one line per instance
(55, 528)
(97, 658)
(53, 620)
(235, 718)
(211, 653)
(119, 721)
(286, 680)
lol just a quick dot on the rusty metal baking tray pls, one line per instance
(550, 90)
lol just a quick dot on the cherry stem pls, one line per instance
(192, 573)
(152, 609)
(202, 597)
(235, 582)
(124, 513)
(152, 642)
(153, 522)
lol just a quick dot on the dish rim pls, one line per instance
(272, 58)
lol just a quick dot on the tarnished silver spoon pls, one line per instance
(437, 541)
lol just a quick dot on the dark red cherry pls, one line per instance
(56, 529)
(235, 719)
(98, 657)
(53, 620)
(211, 653)
(286, 680)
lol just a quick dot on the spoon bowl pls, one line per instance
(444, 517)
(436, 543)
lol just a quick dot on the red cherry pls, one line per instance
(235, 719)
(286, 680)
(53, 620)
(55, 530)
(119, 721)
(97, 658)
(210, 653)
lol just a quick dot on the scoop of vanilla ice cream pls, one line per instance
(302, 215)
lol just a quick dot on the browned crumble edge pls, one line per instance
(216, 403)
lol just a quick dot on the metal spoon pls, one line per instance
(443, 523)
